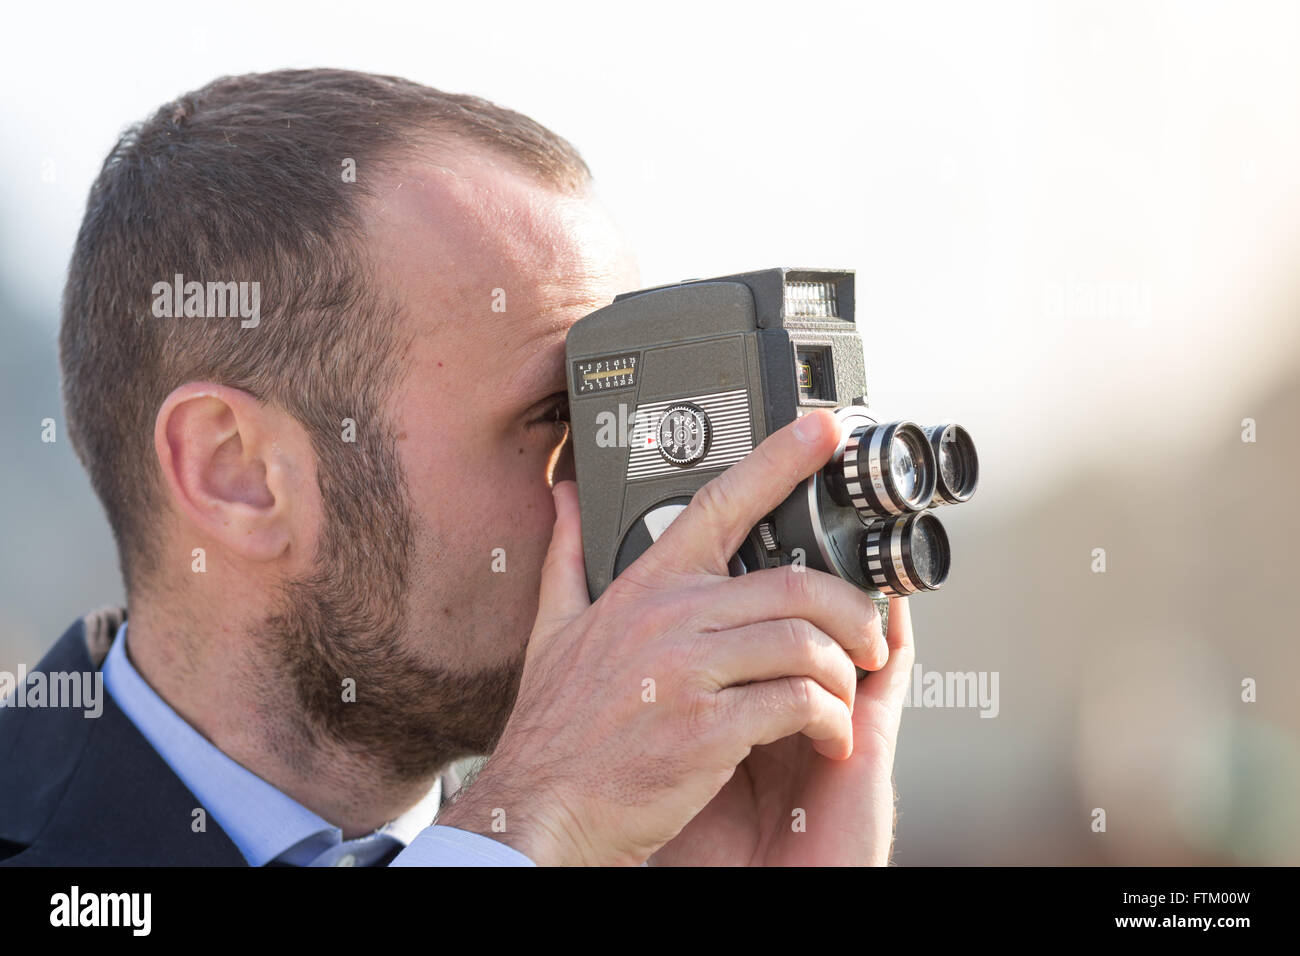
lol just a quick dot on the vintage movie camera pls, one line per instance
(671, 385)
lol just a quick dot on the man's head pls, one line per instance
(367, 467)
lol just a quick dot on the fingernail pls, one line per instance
(809, 428)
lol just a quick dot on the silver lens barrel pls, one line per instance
(958, 466)
(905, 554)
(886, 469)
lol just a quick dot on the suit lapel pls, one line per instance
(92, 791)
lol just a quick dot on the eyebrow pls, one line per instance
(542, 373)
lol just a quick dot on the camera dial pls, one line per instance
(684, 434)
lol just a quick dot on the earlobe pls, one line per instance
(222, 457)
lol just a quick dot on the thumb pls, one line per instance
(563, 593)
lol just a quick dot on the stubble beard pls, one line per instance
(348, 620)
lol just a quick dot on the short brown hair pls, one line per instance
(243, 180)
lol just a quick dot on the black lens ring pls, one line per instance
(970, 467)
(939, 537)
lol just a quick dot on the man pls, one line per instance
(312, 348)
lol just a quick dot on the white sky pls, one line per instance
(1062, 216)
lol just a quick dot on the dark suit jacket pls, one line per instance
(92, 791)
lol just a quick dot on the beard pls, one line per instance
(341, 634)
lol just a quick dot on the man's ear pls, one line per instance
(238, 471)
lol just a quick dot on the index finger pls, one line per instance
(704, 536)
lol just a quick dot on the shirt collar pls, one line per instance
(264, 823)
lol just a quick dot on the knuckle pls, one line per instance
(701, 710)
(765, 458)
(773, 463)
(800, 693)
(800, 586)
(715, 496)
(654, 617)
(861, 638)
(718, 501)
(802, 637)
(683, 660)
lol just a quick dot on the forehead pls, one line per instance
(481, 255)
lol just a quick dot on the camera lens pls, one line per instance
(885, 470)
(902, 462)
(929, 552)
(952, 469)
(959, 466)
(905, 554)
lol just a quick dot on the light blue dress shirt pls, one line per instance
(267, 825)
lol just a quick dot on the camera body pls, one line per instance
(669, 386)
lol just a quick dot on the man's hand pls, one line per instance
(684, 695)
(788, 806)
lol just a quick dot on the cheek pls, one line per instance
(525, 494)
(474, 492)
(523, 513)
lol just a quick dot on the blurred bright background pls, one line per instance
(1076, 229)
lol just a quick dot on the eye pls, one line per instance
(553, 413)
